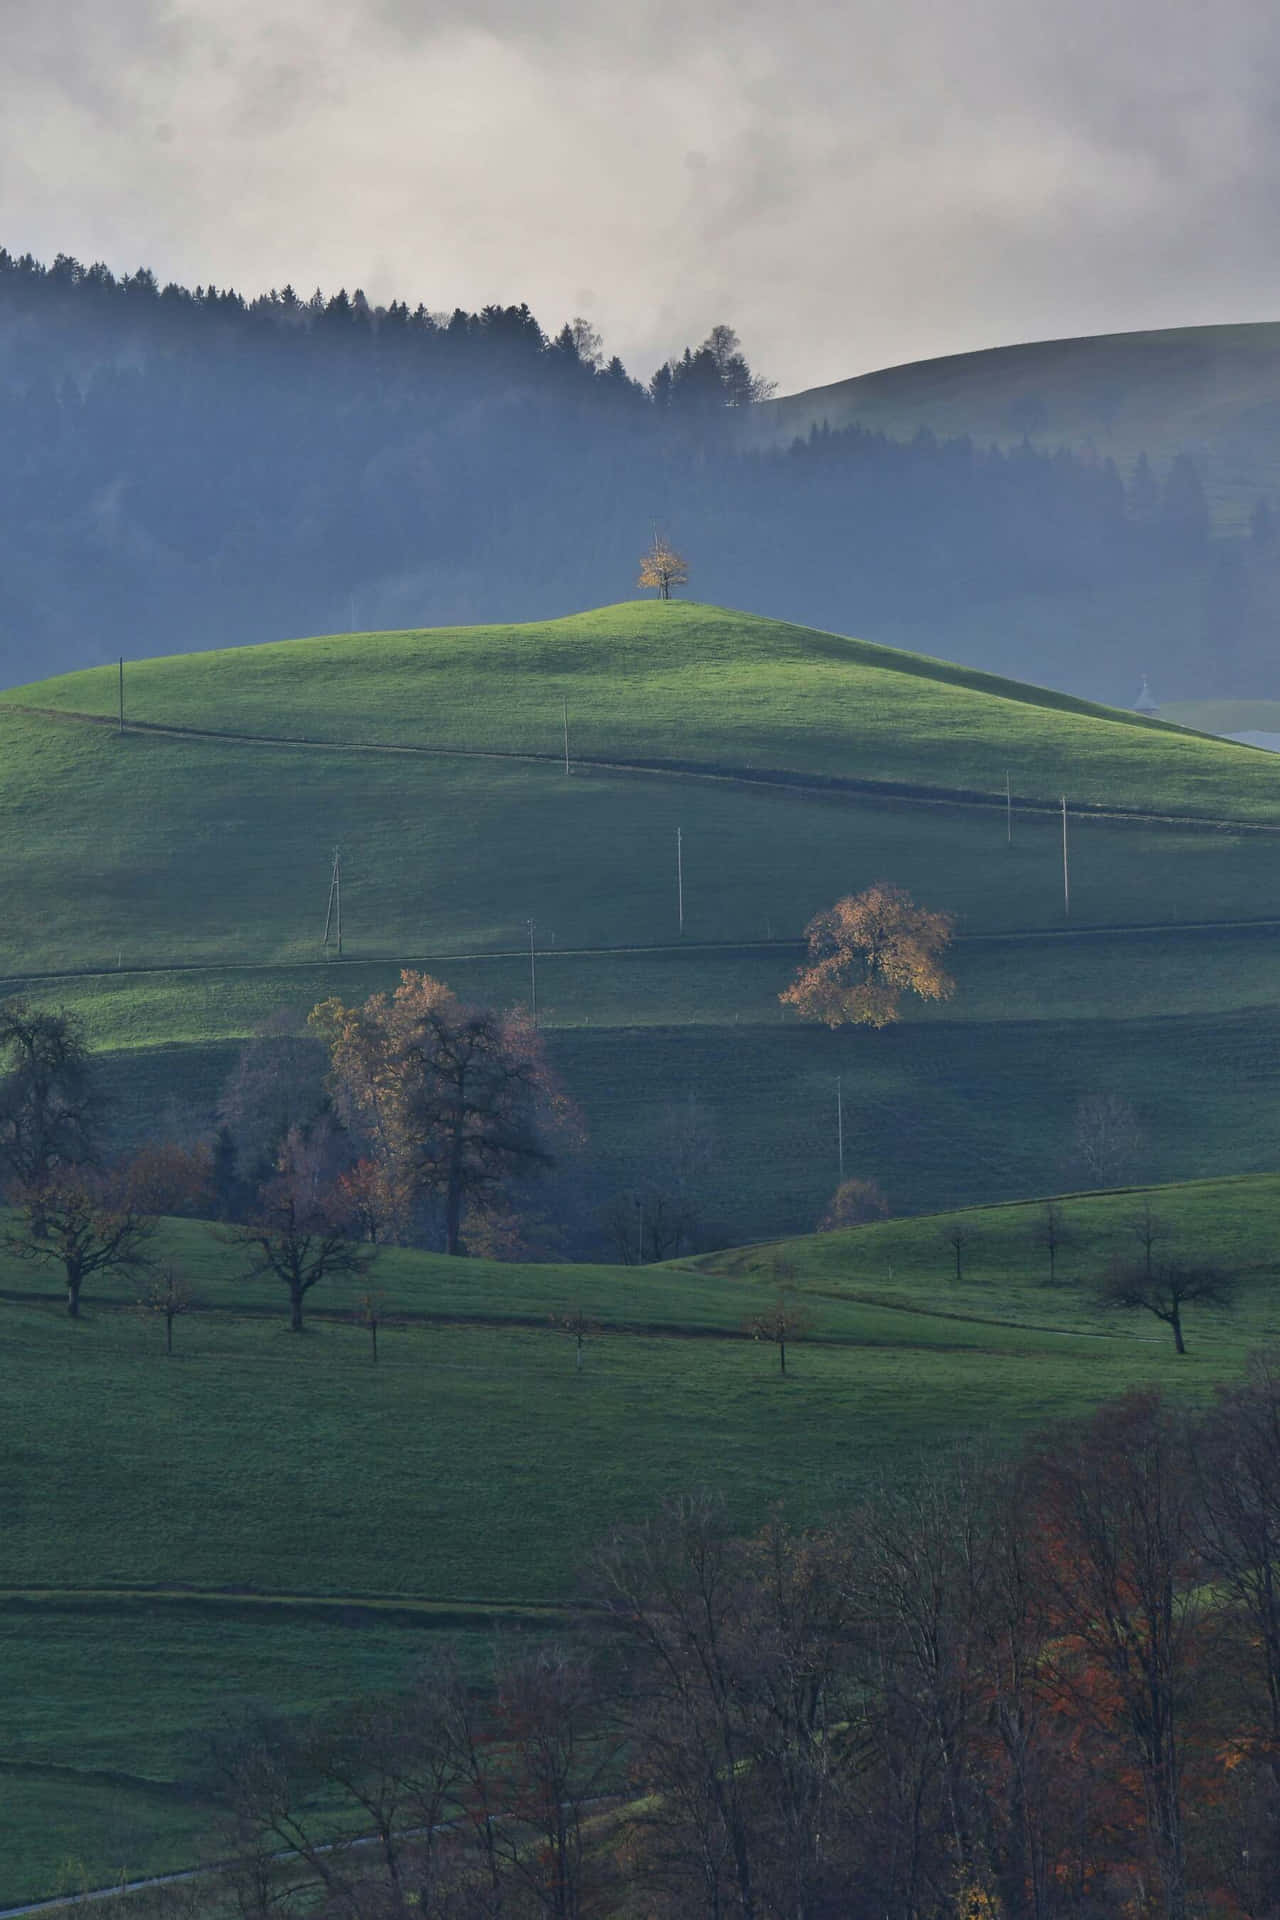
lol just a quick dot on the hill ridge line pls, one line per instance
(776, 778)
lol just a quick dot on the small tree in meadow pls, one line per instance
(371, 1312)
(83, 1221)
(782, 1322)
(579, 1329)
(168, 1298)
(959, 1236)
(300, 1233)
(1053, 1235)
(1164, 1289)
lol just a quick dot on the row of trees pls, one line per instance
(1039, 1690)
(436, 1113)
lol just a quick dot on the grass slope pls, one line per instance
(1212, 391)
(153, 1505)
(172, 886)
(691, 685)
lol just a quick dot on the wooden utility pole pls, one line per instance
(122, 693)
(1066, 864)
(333, 917)
(533, 973)
(567, 768)
(680, 875)
(1008, 809)
(840, 1124)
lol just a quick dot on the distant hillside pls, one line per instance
(189, 469)
(1213, 392)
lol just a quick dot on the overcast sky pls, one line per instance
(850, 185)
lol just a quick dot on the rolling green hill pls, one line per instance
(1213, 392)
(274, 1518)
(171, 883)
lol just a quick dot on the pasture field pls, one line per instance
(171, 887)
(274, 1518)
(972, 1100)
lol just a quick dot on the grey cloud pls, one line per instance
(849, 185)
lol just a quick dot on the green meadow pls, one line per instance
(172, 886)
(278, 1518)
(263, 1517)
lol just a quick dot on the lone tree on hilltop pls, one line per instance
(865, 953)
(662, 567)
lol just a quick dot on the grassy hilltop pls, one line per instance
(171, 884)
(1210, 391)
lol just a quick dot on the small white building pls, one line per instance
(1144, 703)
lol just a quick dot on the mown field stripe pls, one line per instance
(775, 778)
(1016, 936)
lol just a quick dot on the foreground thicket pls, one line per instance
(1051, 1689)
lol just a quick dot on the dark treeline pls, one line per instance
(189, 468)
(1033, 1690)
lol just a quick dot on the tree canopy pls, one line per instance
(865, 952)
(453, 1101)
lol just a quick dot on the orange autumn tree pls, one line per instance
(865, 953)
(662, 567)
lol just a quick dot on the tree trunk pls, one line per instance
(453, 1216)
(782, 1355)
(73, 1293)
(295, 1307)
(1175, 1321)
(168, 1333)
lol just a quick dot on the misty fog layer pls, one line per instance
(185, 471)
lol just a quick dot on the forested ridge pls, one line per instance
(187, 468)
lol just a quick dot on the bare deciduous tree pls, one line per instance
(579, 1327)
(1119, 1562)
(168, 1298)
(783, 1321)
(1054, 1235)
(959, 1236)
(83, 1220)
(1107, 1141)
(299, 1234)
(1164, 1288)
